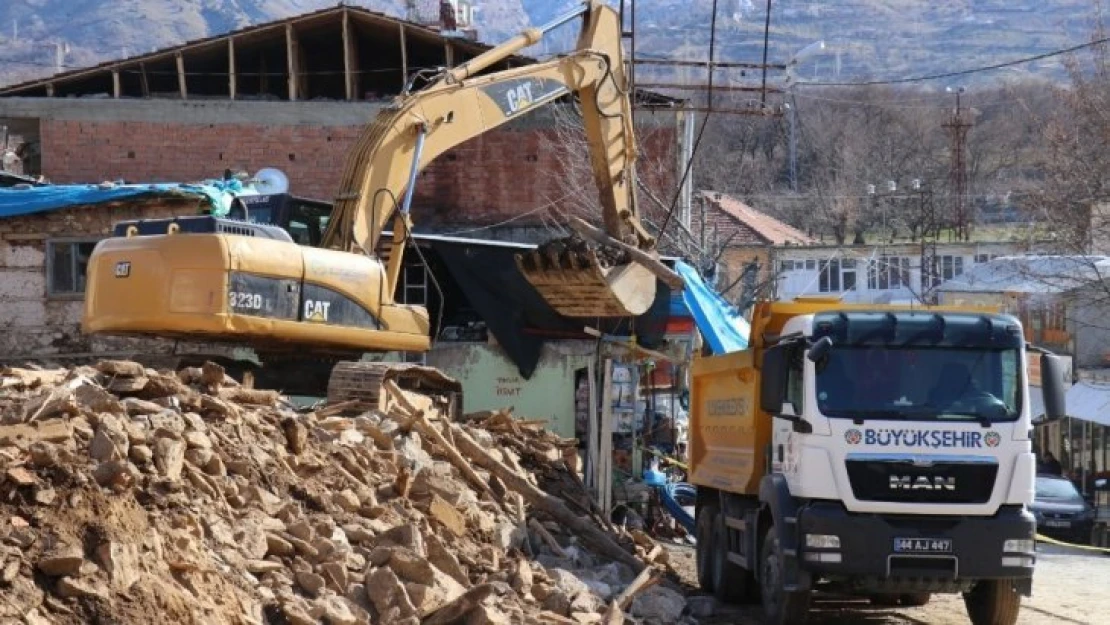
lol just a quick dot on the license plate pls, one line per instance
(923, 545)
(1058, 523)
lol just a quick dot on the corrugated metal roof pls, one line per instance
(1030, 274)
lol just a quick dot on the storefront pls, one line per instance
(1081, 441)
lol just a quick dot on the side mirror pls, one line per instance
(820, 349)
(772, 383)
(1052, 388)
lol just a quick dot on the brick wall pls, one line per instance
(495, 176)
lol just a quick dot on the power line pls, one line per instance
(975, 70)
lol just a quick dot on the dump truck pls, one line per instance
(874, 451)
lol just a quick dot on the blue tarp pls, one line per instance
(214, 195)
(722, 327)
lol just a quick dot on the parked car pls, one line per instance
(1061, 511)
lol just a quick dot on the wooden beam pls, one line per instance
(449, 53)
(181, 76)
(115, 84)
(404, 58)
(232, 80)
(350, 57)
(292, 58)
(143, 79)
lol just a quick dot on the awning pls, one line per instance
(1090, 402)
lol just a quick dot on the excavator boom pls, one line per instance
(377, 182)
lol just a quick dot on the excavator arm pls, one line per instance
(246, 281)
(378, 179)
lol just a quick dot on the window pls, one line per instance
(811, 264)
(66, 265)
(888, 272)
(830, 276)
(944, 268)
(795, 395)
(982, 258)
(787, 265)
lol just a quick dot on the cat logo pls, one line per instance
(123, 269)
(315, 310)
(519, 97)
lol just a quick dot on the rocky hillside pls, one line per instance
(871, 38)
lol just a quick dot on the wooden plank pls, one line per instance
(350, 57)
(115, 84)
(232, 80)
(449, 53)
(292, 60)
(143, 79)
(181, 76)
(404, 58)
(592, 433)
(605, 464)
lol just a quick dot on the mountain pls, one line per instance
(866, 39)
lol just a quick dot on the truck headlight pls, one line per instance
(822, 541)
(1019, 545)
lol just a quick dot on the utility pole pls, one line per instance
(958, 126)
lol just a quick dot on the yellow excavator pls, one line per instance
(245, 281)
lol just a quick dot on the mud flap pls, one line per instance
(576, 284)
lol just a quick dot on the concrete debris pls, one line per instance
(136, 495)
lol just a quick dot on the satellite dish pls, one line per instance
(270, 180)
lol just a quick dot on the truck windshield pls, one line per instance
(927, 383)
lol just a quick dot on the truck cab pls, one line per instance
(882, 452)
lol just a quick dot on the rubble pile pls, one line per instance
(129, 495)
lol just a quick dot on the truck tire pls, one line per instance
(730, 582)
(704, 521)
(993, 602)
(779, 606)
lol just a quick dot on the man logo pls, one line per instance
(921, 482)
(123, 269)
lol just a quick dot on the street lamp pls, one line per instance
(811, 50)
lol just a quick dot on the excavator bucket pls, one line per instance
(578, 281)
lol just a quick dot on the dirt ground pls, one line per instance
(1068, 588)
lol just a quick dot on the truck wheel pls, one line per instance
(779, 606)
(703, 528)
(916, 599)
(993, 602)
(730, 582)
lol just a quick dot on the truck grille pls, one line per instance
(902, 479)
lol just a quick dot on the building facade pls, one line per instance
(876, 274)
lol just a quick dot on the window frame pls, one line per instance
(48, 265)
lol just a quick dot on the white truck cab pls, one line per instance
(897, 461)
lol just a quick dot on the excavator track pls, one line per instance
(426, 388)
(576, 284)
